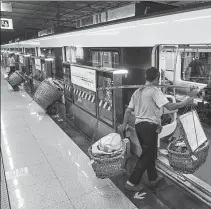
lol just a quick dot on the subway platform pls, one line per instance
(45, 166)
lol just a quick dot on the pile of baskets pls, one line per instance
(16, 78)
(106, 166)
(182, 158)
(47, 94)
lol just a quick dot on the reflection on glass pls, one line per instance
(85, 99)
(196, 67)
(105, 98)
(14, 174)
(107, 59)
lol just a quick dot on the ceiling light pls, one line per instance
(49, 59)
(120, 72)
(27, 55)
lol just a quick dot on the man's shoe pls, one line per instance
(135, 188)
(154, 183)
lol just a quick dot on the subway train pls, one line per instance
(178, 43)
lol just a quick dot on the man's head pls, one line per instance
(152, 75)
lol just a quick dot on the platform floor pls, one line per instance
(46, 166)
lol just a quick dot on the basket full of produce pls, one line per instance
(190, 151)
(48, 92)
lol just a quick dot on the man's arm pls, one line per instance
(126, 117)
(161, 101)
(128, 111)
(178, 105)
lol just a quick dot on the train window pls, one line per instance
(96, 58)
(116, 59)
(107, 59)
(196, 67)
(79, 53)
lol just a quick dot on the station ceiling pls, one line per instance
(29, 17)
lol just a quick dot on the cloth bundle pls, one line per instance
(108, 144)
(55, 83)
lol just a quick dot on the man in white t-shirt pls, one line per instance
(146, 103)
(12, 64)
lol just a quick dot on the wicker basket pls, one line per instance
(187, 162)
(46, 94)
(15, 79)
(106, 166)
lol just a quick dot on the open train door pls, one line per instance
(186, 66)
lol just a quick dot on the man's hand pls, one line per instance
(194, 90)
(121, 128)
(189, 101)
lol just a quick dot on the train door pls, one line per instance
(187, 66)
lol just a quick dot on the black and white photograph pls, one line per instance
(105, 104)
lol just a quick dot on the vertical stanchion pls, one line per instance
(175, 67)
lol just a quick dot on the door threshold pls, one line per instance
(202, 192)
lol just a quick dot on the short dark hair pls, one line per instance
(152, 73)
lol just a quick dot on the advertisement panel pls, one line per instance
(84, 77)
(6, 24)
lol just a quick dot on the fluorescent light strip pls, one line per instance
(193, 18)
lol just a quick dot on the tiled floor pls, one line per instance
(47, 167)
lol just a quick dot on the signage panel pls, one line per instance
(6, 7)
(6, 24)
(84, 77)
(121, 12)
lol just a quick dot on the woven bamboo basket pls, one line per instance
(106, 166)
(187, 161)
(15, 79)
(47, 94)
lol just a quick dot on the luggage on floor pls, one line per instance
(107, 158)
(48, 92)
(16, 79)
(190, 150)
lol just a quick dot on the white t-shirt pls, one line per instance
(147, 103)
(12, 61)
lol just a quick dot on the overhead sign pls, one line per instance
(121, 12)
(46, 32)
(6, 7)
(38, 64)
(6, 24)
(84, 77)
